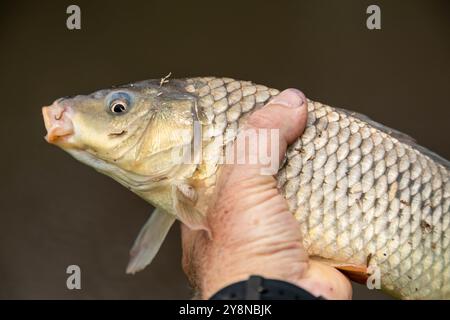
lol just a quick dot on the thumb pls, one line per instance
(244, 184)
(260, 147)
(286, 112)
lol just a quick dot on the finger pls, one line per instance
(326, 281)
(247, 184)
(261, 146)
(286, 112)
(188, 240)
(192, 241)
(187, 245)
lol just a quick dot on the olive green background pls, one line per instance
(56, 212)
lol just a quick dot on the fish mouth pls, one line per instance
(57, 120)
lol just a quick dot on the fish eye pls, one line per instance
(118, 107)
(119, 103)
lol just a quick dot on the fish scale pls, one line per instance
(364, 194)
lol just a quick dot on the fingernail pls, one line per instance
(291, 98)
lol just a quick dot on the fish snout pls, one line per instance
(58, 122)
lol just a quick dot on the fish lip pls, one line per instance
(46, 117)
(63, 138)
(53, 136)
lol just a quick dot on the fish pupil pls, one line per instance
(119, 108)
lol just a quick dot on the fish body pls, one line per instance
(369, 200)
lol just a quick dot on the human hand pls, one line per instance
(253, 232)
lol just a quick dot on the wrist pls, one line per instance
(222, 266)
(218, 278)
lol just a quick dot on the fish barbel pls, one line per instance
(369, 200)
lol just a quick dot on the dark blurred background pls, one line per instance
(56, 212)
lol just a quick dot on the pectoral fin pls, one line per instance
(149, 240)
(185, 198)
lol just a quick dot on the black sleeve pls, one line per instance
(259, 288)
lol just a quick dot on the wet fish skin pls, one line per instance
(366, 196)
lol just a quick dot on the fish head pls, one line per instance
(130, 132)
